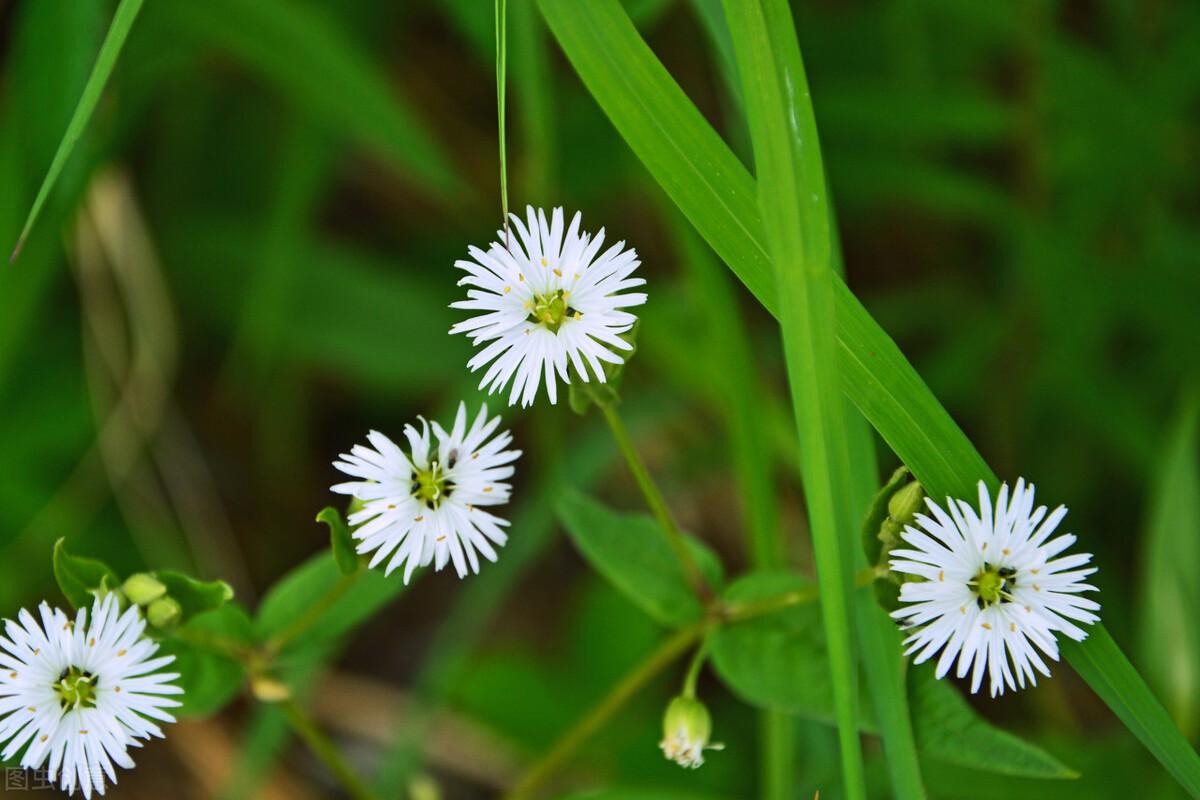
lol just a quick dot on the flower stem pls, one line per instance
(737, 612)
(314, 613)
(654, 498)
(325, 750)
(693, 672)
(527, 785)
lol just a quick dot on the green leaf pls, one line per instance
(947, 728)
(1171, 560)
(778, 661)
(630, 551)
(80, 578)
(209, 680)
(775, 660)
(297, 592)
(194, 596)
(716, 193)
(324, 74)
(340, 540)
(118, 31)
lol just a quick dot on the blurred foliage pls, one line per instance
(247, 263)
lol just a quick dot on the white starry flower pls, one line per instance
(425, 506)
(549, 303)
(996, 588)
(77, 694)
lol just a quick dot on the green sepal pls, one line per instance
(82, 579)
(877, 515)
(340, 540)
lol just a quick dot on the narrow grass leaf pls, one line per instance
(118, 31)
(1171, 560)
(795, 212)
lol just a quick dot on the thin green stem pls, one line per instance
(693, 671)
(325, 750)
(675, 646)
(737, 612)
(501, 90)
(654, 498)
(221, 645)
(314, 613)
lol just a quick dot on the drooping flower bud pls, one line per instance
(687, 727)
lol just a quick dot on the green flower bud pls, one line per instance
(906, 503)
(143, 589)
(687, 727)
(164, 612)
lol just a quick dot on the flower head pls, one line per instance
(81, 692)
(548, 302)
(687, 727)
(425, 506)
(995, 587)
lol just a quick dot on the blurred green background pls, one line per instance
(248, 263)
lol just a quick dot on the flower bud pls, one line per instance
(269, 690)
(164, 612)
(906, 503)
(142, 589)
(686, 729)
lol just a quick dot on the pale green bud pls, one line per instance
(164, 612)
(142, 589)
(687, 727)
(906, 503)
(269, 690)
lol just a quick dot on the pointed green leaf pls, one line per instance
(630, 551)
(80, 578)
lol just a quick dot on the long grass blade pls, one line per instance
(118, 32)
(791, 198)
(704, 178)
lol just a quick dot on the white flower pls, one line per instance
(79, 694)
(545, 300)
(996, 588)
(426, 507)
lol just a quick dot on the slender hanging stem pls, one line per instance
(693, 672)
(654, 498)
(325, 750)
(313, 615)
(603, 711)
(501, 87)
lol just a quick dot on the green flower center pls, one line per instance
(76, 689)
(551, 310)
(431, 486)
(994, 585)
